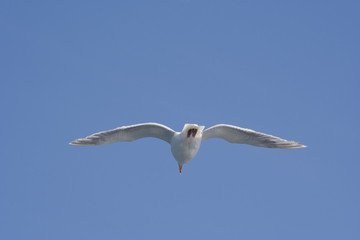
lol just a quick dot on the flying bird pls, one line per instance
(186, 144)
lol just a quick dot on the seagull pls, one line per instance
(186, 144)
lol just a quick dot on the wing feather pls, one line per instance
(234, 134)
(127, 134)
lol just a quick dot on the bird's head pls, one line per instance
(192, 130)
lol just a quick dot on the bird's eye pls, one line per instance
(189, 133)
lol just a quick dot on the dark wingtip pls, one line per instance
(81, 142)
(73, 143)
(297, 145)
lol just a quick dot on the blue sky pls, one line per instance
(72, 68)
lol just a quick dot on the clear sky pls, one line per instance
(72, 68)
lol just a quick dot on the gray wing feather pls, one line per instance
(234, 134)
(127, 134)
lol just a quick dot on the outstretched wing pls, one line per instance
(127, 134)
(234, 134)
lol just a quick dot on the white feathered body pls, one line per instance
(185, 144)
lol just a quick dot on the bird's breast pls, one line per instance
(184, 149)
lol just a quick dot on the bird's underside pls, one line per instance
(191, 137)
